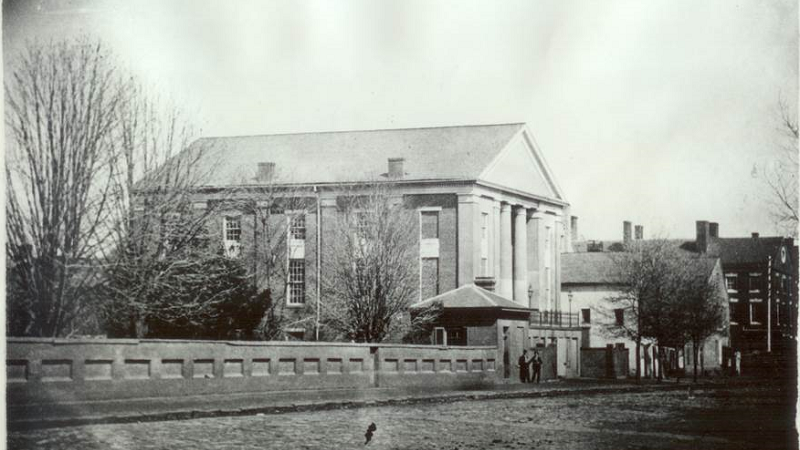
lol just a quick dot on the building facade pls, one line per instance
(590, 280)
(761, 281)
(488, 207)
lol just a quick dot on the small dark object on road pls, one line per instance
(370, 429)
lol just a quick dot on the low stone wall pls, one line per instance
(604, 362)
(62, 370)
(436, 366)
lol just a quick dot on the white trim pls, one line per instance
(444, 336)
(750, 315)
(429, 208)
(524, 134)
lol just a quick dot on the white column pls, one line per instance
(468, 250)
(558, 231)
(520, 256)
(536, 262)
(505, 288)
(496, 242)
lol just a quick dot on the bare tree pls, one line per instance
(370, 276)
(161, 264)
(640, 309)
(780, 177)
(171, 268)
(61, 113)
(700, 306)
(418, 328)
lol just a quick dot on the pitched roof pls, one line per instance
(587, 268)
(745, 250)
(598, 268)
(471, 296)
(442, 153)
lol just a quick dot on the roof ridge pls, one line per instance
(362, 131)
(483, 294)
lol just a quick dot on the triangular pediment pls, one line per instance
(520, 166)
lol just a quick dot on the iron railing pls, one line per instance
(554, 319)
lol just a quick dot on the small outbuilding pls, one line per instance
(475, 316)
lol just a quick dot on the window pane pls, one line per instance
(457, 336)
(298, 227)
(430, 225)
(297, 281)
(233, 229)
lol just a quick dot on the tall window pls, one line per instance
(755, 282)
(587, 315)
(171, 231)
(430, 224)
(297, 227)
(232, 231)
(297, 282)
(619, 317)
(362, 226)
(730, 282)
(755, 314)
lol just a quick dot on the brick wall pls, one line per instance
(448, 227)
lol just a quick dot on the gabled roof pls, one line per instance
(441, 153)
(588, 268)
(470, 296)
(597, 268)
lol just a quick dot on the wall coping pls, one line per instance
(103, 341)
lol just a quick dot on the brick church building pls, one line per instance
(490, 209)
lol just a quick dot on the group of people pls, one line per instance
(535, 363)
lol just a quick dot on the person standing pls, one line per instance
(523, 367)
(738, 358)
(536, 365)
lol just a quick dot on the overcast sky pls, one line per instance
(656, 112)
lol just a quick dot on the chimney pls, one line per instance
(626, 232)
(713, 230)
(266, 171)
(702, 235)
(395, 168)
(754, 235)
(638, 232)
(573, 228)
(485, 283)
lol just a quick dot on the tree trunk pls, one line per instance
(694, 358)
(638, 360)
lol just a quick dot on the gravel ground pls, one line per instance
(740, 418)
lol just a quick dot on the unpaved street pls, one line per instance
(755, 417)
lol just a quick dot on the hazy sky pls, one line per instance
(655, 111)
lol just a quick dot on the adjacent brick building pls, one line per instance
(489, 207)
(761, 280)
